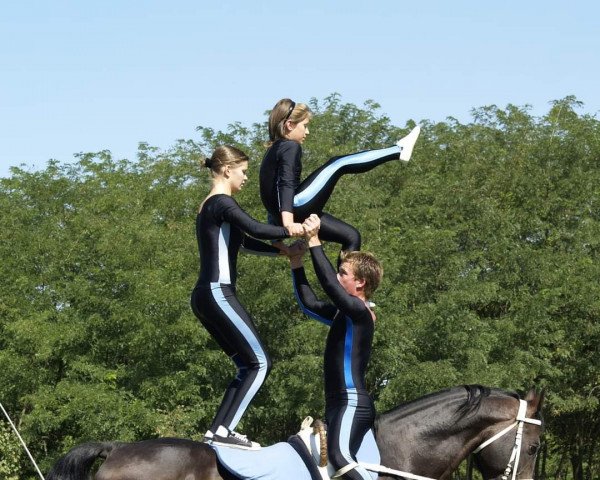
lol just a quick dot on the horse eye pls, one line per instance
(533, 449)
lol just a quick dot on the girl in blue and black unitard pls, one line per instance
(349, 410)
(222, 228)
(289, 201)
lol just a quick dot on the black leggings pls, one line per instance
(349, 418)
(221, 313)
(335, 230)
(314, 192)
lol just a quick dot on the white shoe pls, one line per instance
(407, 143)
(235, 440)
(208, 437)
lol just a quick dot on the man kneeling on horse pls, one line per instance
(350, 411)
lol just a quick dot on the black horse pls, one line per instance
(429, 437)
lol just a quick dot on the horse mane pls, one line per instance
(475, 394)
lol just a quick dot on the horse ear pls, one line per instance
(535, 399)
(541, 400)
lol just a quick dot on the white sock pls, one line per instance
(209, 434)
(222, 431)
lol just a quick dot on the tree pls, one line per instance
(488, 237)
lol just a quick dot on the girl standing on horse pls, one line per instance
(222, 228)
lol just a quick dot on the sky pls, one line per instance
(84, 76)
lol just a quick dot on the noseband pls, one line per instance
(513, 462)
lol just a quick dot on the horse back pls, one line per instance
(160, 459)
(77, 463)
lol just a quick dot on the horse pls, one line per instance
(428, 438)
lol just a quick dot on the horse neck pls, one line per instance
(432, 435)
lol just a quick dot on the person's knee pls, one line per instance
(353, 240)
(266, 365)
(261, 363)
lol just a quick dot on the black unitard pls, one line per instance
(281, 190)
(221, 229)
(349, 408)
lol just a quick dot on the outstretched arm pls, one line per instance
(325, 272)
(328, 279)
(308, 301)
(257, 247)
(235, 215)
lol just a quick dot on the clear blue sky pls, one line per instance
(82, 76)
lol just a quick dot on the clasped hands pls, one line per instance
(310, 230)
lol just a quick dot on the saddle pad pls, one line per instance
(269, 463)
(368, 451)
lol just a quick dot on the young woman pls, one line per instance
(349, 409)
(289, 201)
(222, 228)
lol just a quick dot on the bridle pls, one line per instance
(513, 462)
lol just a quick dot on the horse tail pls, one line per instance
(77, 463)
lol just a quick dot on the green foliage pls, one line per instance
(489, 238)
(11, 454)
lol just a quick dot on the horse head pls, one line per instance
(510, 453)
(432, 435)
